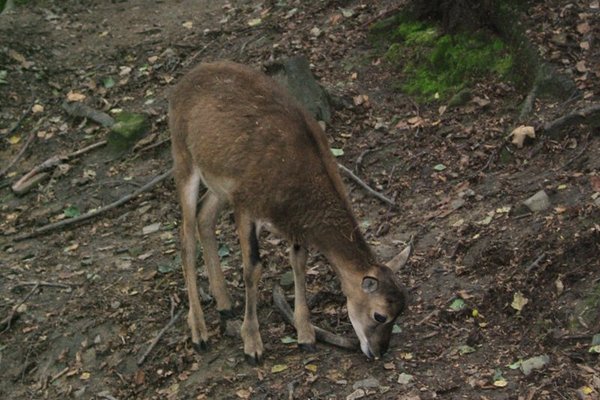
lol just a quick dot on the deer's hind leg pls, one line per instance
(188, 183)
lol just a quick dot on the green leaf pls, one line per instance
(278, 368)
(439, 167)
(337, 152)
(595, 349)
(465, 349)
(457, 304)
(224, 251)
(108, 82)
(165, 268)
(288, 340)
(72, 211)
(596, 339)
(396, 329)
(3, 75)
(516, 365)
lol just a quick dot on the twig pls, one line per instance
(174, 319)
(536, 263)
(382, 15)
(43, 283)
(321, 334)
(579, 154)
(361, 183)
(95, 213)
(19, 154)
(77, 109)
(8, 320)
(27, 180)
(151, 146)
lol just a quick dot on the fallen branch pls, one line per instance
(95, 213)
(19, 154)
(6, 322)
(37, 173)
(78, 109)
(44, 283)
(174, 319)
(382, 15)
(589, 115)
(362, 184)
(321, 334)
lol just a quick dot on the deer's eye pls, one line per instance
(380, 318)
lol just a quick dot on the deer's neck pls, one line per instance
(343, 244)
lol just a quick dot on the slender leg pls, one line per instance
(187, 186)
(305, 330)
(253, 346)
(207, 221)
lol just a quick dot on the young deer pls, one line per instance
(253, 147)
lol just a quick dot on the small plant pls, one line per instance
(437, 65)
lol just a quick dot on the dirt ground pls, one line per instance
(493, 285)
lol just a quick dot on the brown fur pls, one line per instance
(259, 151)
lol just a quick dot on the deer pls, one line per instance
(237, 132)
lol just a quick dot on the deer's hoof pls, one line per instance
(254, 359)
(308, 347)
(200, 347)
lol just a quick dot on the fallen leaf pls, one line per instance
(404, 378)
(519, 301)
(188, 24)
(457, 304)
(465, 349)
(288, 340)
(255, 22)
(37, 108)
(278, 368)
(74, 96)
(337, 152)
(580, 67)
(14, 139)
(85, 376)
(520, 133)
(311, 367)
(243, 394)
(583, 28)
(439, 167)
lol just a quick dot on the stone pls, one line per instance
(538, 202)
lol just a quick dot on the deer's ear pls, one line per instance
(398, 262)
(369, 284)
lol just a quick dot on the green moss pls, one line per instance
(438, 65)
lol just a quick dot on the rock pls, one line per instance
(287, 279)
(127, 130)
(538, 202)
(295, 74)
(461, 98)
(369, 383)
(533, 363)
(404, 378)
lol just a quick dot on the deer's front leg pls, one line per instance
(253, 346)
(305, 330)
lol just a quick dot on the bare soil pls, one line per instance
(474, 239)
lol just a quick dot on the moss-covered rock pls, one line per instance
(127, 130)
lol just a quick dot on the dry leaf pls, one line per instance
(37, 108)
(188, 24)
(519, 301)
(520, 133)
(583, 28)
(580, 66)
(74, 96)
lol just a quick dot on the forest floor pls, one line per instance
(505, 301)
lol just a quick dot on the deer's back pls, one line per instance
(251, 141)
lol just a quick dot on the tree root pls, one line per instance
(321, 334)
(95, 213)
